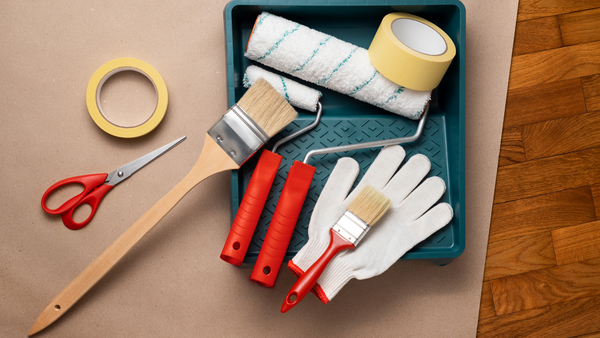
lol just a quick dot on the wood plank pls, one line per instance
(518, 255)
(541, 214)
(486, 307)
(555, 65)
(537, 35)
(596, 197)
(560, 136)
(549, 81)
(591, 335)
(511, 147)
(546, 287)
(577, 243)
(544, 102)
(547, 175)
(568, 319)
(532, 9)
(591, 91)
(580, 27)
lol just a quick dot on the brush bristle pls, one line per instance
(267, 107)
(370, 205)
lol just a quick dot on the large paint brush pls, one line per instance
(259, 114)
(364, 211)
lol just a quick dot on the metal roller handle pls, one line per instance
(373, 144)
(303, 130)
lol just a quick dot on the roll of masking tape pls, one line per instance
(411, 51)
(120, 65)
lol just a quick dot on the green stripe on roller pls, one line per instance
(358, 88)
(287, 98)
(322, 81)
(312, 56)
(262, 19)
(259, 23)
(396, 93)
(414, 116)
(278, 42)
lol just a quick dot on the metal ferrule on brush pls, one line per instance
(238, 135)
(351, 228)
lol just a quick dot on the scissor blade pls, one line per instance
(129, 169)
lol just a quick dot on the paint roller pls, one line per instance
(324, 60)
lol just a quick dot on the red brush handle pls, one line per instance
(305, 283)
(282, 224)
(248, 214)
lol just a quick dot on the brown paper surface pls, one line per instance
(173, 284)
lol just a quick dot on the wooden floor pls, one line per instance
(542, 273)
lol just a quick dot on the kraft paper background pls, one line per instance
(173, 284)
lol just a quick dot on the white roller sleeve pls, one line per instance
(298, 95)
(329, 62)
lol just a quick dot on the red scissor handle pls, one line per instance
(248, 214)
(94, 190)
(305, 283)
(92, 199)
(285, 217)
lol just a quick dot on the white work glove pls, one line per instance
(410, 219)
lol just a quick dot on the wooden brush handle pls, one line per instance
(212, 160)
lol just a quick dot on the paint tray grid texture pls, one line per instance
(348, 121)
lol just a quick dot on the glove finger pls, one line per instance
(432, 221)
(407, 178)
(340, 181)
(381, 170)
(423, 198)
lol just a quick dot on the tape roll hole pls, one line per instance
(419, 37)
(127, 97)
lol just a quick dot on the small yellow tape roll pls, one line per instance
(411, 51)
(106, 71)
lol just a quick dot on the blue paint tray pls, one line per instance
(346, 120)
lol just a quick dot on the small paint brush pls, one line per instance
(259, 114)
(363, 212)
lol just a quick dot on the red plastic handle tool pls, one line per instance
(248, 214)
(92, 199)
(305, 283)
(94, 190)
(89, 182)
(282, 224)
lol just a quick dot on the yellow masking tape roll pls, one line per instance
(411, 51)
(106, 71)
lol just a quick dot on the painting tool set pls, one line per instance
(267, 167)
(407, 59)
(260, 114)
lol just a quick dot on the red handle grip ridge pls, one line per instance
(282, 224)
(248, 214)
(305, 283)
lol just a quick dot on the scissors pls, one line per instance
(96, 186)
